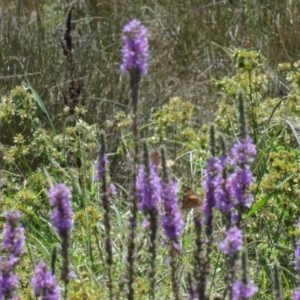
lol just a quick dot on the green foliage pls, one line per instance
(173, 125)
(252, 79)
(274, 123)
(183, 62)
(34, 158)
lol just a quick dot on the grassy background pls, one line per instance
(191, 43)
(188, 42)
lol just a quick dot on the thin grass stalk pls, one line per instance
(253, 116)
(278, 294)
(53, 259)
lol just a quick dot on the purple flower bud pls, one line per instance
(297, 253)
(112, 189)
(135, 49)
(297, 256)
(212, 173)
(242, 177)
(61, 217)
(233, 241)
(8, 280)
(240, 290)
(13, 235)
(172, 222)
(223, 199)
(297, 294)
(243, 152)
(101, 166)
(148, 188)
(13, 244)
(44, 283)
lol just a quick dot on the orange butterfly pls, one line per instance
(156, 160)
(190, 199)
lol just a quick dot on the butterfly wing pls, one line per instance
(156, 160)
(191, 199)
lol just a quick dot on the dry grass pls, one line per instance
(189, 46)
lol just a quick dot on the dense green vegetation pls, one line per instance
(202, 53)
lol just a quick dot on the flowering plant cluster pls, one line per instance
(13, 244)
(43, 281)
(227, 187)
(135, 49)
(153, 191)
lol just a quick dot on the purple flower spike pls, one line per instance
(297, 294)
(148, 188)
(223, 200)
(8, 280)
(112, 189)
(101, 166)
(44, 283)
(61, 217)
(172, 222)
(135, 49)
(297, 256)
(241, 178)
(13, 235)
(240, 290)
(212, 172)
(233, 241)
(13, 244)
(243, 153)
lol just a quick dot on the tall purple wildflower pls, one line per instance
(297, 252)
(297, 256)
(61, 217)
(8, 278)
(135, 49)
(13, 235)
(242, 156)
(44, 283)
(240, 290)
(233, 241)
(224, 202)
(135, 61)
(148, 192)
(172, 222)
(212, 172)
(148, 187)
(297, 294)
(106, 192)
(13, 244)
(101, 166)
(60, 197)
